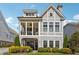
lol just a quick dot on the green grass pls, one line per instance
(43, 53)
(35, 53)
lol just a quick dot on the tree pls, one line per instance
(74, 41)
(17, 42)
(65, 41)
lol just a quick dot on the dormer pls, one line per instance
(30, 13)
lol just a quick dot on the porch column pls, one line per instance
(38, 28)
(32, 28)
(20, 28)
(48, 43)
(21, 41)
(34, 44)
(26, 28)
(54, 44)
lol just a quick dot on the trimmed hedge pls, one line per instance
(65, 51)
(77, 50)
(42, 49)
(55, 50)
(19, 49)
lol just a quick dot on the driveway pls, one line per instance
(3, 51)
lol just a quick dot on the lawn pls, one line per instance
(43, 53)
(35, 53)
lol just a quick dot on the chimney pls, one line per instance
(59, 7)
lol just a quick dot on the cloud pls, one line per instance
(75, 19)
(76, 16)
(69, 21)
(38, 14)
(13, 23)
(65, 22)
(8, 20)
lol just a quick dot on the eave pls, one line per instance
(30, 18)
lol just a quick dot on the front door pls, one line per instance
(32, 43)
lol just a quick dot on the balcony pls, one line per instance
(29, 28)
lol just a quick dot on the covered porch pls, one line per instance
(32, 42)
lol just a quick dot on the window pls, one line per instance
(45, 44)
(50, 26)
(51, 14)
(56, 44)
(51, 44)
(45, 26)
(57, 27)
(27, 14)
(32, 14)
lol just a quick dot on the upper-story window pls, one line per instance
(50, 26)
(51, 14)
(45, 26)
(29, 14)
(32, 14)
(56, 26)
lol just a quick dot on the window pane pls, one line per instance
(44, 26)
(50, 14)
(57, 27)
(56, 44)
(51, 44)
(45, 44)
(50, 26)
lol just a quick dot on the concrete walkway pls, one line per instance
(3, 51)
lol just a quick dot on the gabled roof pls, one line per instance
(55, 9)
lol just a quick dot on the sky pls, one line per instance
(12, 10)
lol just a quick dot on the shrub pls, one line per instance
(42, 49)
(17, 42)
(14, 49)
(77, 50)
(55, 50)
(19, 49)
(65, 50)
(49, 49)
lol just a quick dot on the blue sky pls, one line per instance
(12, 11)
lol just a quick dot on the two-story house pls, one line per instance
(42, 31)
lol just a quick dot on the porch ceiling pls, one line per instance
(30, 39)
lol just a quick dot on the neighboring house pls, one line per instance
(71, 28)
(7, 35)
(12, 35)
(42, 31)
